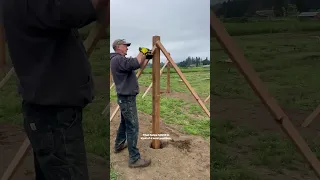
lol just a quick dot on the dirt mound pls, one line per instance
(182, 143)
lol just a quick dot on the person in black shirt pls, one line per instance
(55, 79)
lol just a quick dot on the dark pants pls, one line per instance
(129, 126)
(57, 140)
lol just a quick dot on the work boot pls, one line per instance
(140, 163)
(121, 147)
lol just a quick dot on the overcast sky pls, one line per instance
(183, 26)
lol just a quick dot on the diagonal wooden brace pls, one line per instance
(311, 117)
(237, 56)
(174, 65)
(6, 78)
(207, 99)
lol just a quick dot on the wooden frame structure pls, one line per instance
(93, 38)
(156, 73)
(237, 56)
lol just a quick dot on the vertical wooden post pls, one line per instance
(110, 77)
(168, 77)
(161, 71)
(156, 93)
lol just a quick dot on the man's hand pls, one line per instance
(149, 55)
(141, 58)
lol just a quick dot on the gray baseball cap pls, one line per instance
(118, 42)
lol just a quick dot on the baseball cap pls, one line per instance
(120, 42)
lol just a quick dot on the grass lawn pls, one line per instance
(199, 78)
(279, 25)
(178, 110)
(287, 63)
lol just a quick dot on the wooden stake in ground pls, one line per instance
(156, 93)
(207, 99)
(161, 72)
(195, 95)
(311, 117)
(6, 78)
(168, 77)
(89, 44)
(110, 76)
(237, 56)
(112, 85)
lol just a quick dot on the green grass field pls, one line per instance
(176, 110)
(199, 78)
(288, 64)
(267, 26)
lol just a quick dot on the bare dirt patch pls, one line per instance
(183, 157)
(11, 138)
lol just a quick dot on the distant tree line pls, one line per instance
(242, 8)
(194, 61)
(189, 62)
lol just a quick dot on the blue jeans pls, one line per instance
(129, 126)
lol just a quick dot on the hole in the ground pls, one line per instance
(163, 144)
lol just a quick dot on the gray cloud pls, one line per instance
(183, 26)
